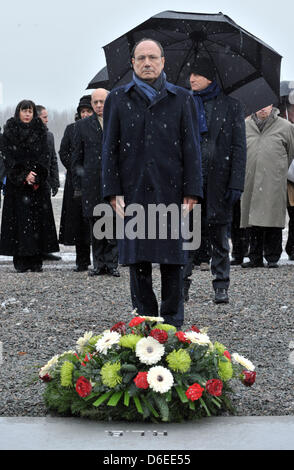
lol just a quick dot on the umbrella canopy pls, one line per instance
(247, 68)
(100, 80)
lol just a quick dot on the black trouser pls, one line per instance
(105, 251)
(220, 259)
(265, 241)
(83, 254)
(239, 236)
(203, 253)
(290, 242)
(27, 262)
(143, 296)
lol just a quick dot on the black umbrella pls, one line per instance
(100, 80)
(247, 68)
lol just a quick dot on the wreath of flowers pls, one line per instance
(146, 370)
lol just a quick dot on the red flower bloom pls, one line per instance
(136, 321)
(214, 387)
(227, 355)
(141, 380)
(248, 377)
(120, 327)
(182, 337)
(194, 328)
(83, 387)
(160, 335)
(45, 378)
(194, 392)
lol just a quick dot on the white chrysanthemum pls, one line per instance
(243, 361)
(160, 379)
(157, 319)
(107, 341)
(199, 338)
(83, 341)
(46, 369)
(149, 350)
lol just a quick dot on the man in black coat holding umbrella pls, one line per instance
(223, 150)
(151, 156)
(86, 170)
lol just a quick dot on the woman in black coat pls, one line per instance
(28, 227)
(74, 228)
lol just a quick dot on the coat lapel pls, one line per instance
(218, 117)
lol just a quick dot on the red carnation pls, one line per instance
(248, 377)
(141, 380)
(120, 327)
(227, 355)
(83, 387)
(160, 335)
(214, 387)
(194, 328)
(45, 378)
(182, 337)
(194, 392)
(136, 321)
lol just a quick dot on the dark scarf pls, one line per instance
(22, 134)
(200, 97)
(152, 91)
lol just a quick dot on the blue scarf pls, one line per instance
(200, 97)
(152, 92)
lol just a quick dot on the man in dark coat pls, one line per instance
(74, 227)
(223, 150)
(151, 156)
(53, 177)
(86, 170)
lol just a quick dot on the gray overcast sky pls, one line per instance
(50, 50)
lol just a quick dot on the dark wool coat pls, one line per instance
(28, 226)
(72, 223)
(86, 162)
(226, 157)
(53, 164)
(151, 155)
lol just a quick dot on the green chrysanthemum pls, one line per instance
(91, 344)
(219, 347)
(66, 374)
(129, 341)
(225, 369)
(179, 361)
(110, 374)
(165, 326)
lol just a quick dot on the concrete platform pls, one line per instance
(217, 433)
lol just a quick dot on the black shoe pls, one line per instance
(79, 269)
(272, 264)
(36, 269)
(251, 264)
(112, 271)
(96, 272)
(221, 296)
(50, 257)
(236, 262)
(22, 270)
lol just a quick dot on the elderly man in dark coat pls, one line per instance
(86, 170)
(151, 156)
(74, 227)
(223, 151)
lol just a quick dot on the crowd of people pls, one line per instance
(151, 142)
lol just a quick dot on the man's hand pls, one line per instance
(118, 204)
(188, 204)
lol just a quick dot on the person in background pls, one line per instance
(86, 169)
(286, 107)
(74, 227)
(223, 151)
(270, 150)
(28, 226)
(53, 165)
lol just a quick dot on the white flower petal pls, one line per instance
(149, 350)
(160, 379)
